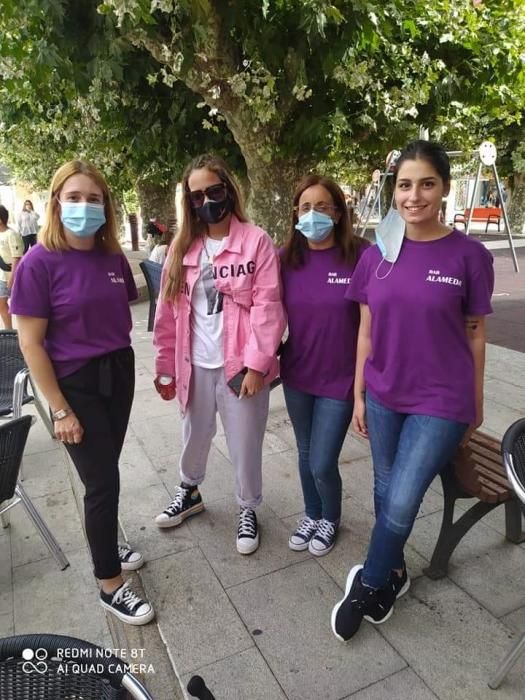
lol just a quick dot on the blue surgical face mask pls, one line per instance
(315, 226)
(81, 218)
(390, 234)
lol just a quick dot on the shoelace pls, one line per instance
(126, 596)
(177, 502)
(247, 527)
(325, 529)
(306, 527)
(123, 551)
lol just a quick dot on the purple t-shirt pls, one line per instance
(319, 354)
(421, 362)
(84, 295)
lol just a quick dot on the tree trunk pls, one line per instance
(516, 207)
(272, 186)
(156, 201)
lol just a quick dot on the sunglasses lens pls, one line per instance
(216, 193)
(196, 198)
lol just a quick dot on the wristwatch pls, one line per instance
(61, 413)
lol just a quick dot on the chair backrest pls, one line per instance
(513, 451)
(152, 272)
(55, 667)
(13, 438)
(11, 362)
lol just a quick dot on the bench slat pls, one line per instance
(497, 479)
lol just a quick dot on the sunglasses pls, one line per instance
(215, 193)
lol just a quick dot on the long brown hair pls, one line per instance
(192, 227)
(296, 245)
(52, 234)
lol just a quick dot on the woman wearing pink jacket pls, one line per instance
(218, 324)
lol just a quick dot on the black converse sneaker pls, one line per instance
(129, 560)
(127, 606)
(400, 584)
(301, 536)
(324, 539)
(248, 532)
(187, 502)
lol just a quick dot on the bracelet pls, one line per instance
(61, 413)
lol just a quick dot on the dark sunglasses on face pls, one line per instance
(215, 193)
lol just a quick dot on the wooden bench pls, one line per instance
(492, 215)
(476, 471)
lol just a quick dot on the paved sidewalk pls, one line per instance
(257, 628)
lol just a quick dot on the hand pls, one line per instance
(473, 426)
(359, 418)
(166, 391)
(252, 383)
(68, 430)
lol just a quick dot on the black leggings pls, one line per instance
(29, 241)
(100, 394)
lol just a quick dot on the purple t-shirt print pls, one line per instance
(319, 354)
(421, 362)
(85, 297)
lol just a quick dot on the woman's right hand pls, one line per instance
(68, 430)
(167, 391)
(359, 418)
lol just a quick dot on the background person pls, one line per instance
(28, 225)
(424, 292)
(318, 358)
(11, 250)
(82, 360)
(158, 254)
(220, 313)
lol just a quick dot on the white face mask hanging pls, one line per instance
(390, 233)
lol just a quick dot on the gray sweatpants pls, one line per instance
(244, 422)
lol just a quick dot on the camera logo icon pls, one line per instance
(35, 661)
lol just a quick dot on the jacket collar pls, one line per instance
(233, 243)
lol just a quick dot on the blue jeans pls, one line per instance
(320, 426)
(408, 451)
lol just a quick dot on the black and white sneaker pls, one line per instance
(187, 502)
(348, 614)
(380, 605)
(324, 539)
(248, 532)
(127, 606)
(301, 536)
(129, 560)
(400, 584)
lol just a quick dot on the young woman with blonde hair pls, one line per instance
(71, 298)
(218, 324)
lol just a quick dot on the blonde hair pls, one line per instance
(52, 234)
(191, 227)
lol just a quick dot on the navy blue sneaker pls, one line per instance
(348, 614)
(400, 584)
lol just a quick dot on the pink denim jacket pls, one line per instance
(247, 272)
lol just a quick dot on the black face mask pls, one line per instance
(213, 212)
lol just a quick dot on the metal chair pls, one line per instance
(152, 272)
(13, 438)
(513, 451)
(55, 667)
(14, 378)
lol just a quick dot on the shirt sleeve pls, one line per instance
(357, 290)
(129, 280)
(480, 282)
(16, 244)
(30, 295)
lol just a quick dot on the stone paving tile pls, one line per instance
(451, 642)
(58, 599)
(137, 511)
(281, 484)
(144, 377)
(216, 533)
(45, 473)
(195, 617)
(144, 349)
(403, 685)
(6, 581)
(288, 614)
(136, 469)
(507, 393)
(515, 620)
(482, 564)
(272, 444)
(148, 406)
(39, 440)
(59, 510)
(245, 675)
(160, 437)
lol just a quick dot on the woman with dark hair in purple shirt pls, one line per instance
(71, 298)
(424, 291)
(318, 358)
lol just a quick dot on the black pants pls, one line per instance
(29, 241)
(101, 393)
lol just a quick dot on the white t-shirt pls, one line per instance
(11, 246)
(158, 254)
(206, 317)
